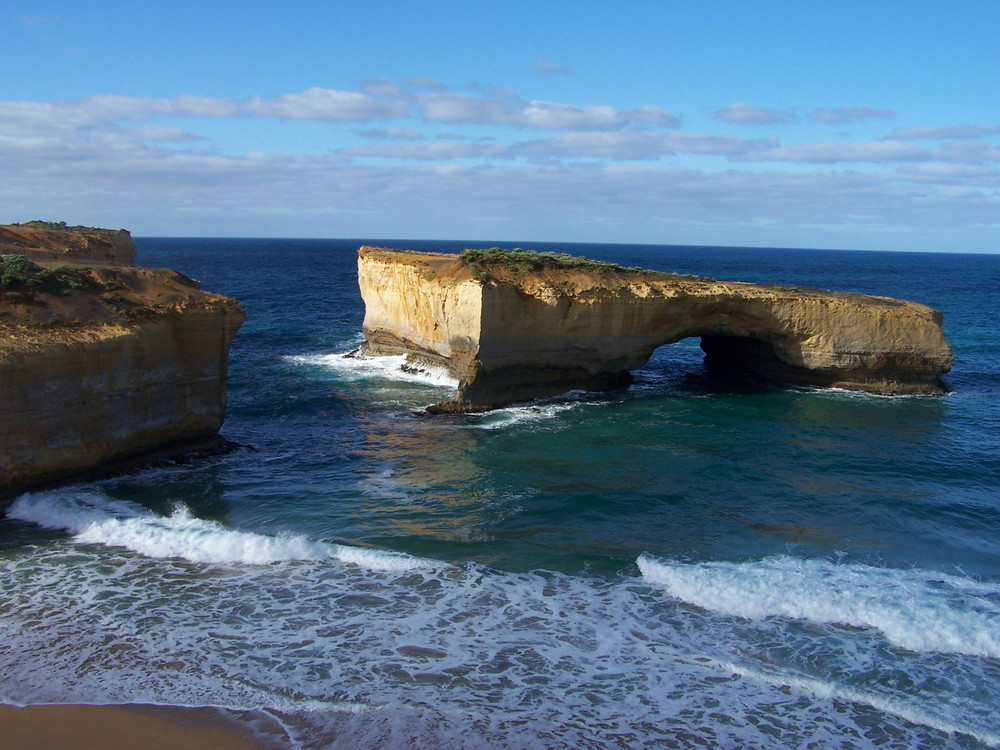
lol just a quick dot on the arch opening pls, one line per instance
(744, 356)
(700, 359)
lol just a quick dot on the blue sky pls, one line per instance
(868, 125)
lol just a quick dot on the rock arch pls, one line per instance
(508, 335)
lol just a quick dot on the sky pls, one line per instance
(861, 125)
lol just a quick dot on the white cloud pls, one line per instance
(652, 116)
(552, 116)
(549, 68)
(162, 134)
(427, 84)
(628, 145)
(521, 201)
(456, 107)
(325, 104)
(382, 87)
(946, 132)
(435, 151)
(391, 134)
(841, 115)
(586, 169)
(719, 145)
(38, 20)
(968, 152)
(639, 145)
(106, 111)
(209, 193)
(380, 100)
(749, 114)
(880, 152)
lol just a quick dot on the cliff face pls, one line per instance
(512, 335)
(101, 362)
(411, 310)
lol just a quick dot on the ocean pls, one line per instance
(691, 562)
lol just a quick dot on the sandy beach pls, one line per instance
(71, 727)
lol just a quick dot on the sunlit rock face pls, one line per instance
(509, 334)
(102, 362)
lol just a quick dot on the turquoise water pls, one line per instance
(689, 562)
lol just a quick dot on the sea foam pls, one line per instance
(453, 656)
(920, 610)
(93, 518)
(387, 368)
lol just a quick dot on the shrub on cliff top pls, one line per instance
(17, 264)
(18, 274)
(528, 261)
(59, 226)
(519, 261)
(39, 224)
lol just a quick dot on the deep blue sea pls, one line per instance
(690, 562)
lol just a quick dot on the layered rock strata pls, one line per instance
(511, 333)
(102, 362)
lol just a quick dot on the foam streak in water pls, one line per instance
(827, 691)
(95, 519)
(919, 610)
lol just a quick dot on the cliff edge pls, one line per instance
(101, 362)
(513, 326)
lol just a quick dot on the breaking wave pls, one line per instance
(919, 610)
(93, 518)
(354, 366)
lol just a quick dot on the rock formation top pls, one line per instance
(54, 240)
(55, 280)
(513, 326)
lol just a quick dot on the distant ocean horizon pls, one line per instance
(575, 248)
(689, 562)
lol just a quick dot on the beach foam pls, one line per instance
(442, 656)
(919, 610)
(896, 707)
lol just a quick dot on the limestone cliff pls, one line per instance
(514, 331)
(102, 362)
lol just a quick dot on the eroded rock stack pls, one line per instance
(513, 328)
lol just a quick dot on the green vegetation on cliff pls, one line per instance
(58, 226)
(520, 261)
(529, 261)
(24, 282)
(21, 278)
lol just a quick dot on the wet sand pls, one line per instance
(111, 728)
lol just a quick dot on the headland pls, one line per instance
(102, 362)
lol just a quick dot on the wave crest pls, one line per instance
(95, 519)
(920, 610)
